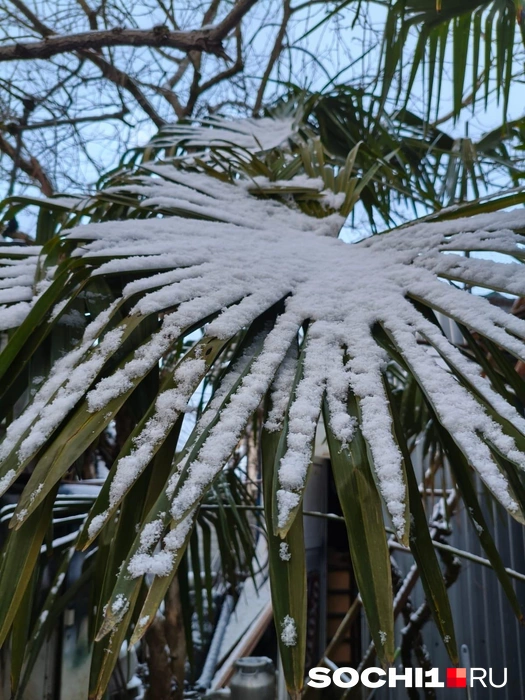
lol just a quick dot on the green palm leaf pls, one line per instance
(437, 23)
(234, 253)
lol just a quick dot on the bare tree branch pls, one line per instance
(208, 40)
(197, 40)
(179, 73)
(90, 14)
(155, 83)
(29, 106)
(276, 52)
(195, 58)
(123, 80)
(233, 18)
(170, 97)
(30, 15)
(108, 70)
(30, 166)
(13, 127)
(237, 67)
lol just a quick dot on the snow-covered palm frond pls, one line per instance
(245, 260)
(271, 254)
(18, 268)
(252, 135)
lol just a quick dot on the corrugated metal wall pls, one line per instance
(485, 625)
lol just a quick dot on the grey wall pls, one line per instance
(484, 620)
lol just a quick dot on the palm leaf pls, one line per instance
(495, 23)
(235, 255)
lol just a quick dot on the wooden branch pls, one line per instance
(206, 39)
(195, 59)
(170, 96)
(90, 14)
(13, 127)
(179, 73)
(29, 105)
(158, 659)
(30, 15)
(108, 70)
(276, 52)
(30, 166)
(95, 41)
(224, 75)
(194, 87)
(237, 67)
(233, 19)
(190, 59)
(123, 80)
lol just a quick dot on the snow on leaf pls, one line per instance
(284, 552)
(67, 382)
(159, 563)
(229, 256)
(120, 606)
(253, 135)
(169, 405)
(18, 267)
(288, 631)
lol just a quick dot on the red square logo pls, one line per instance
(456, 677)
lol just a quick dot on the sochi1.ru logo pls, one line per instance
(375, 677)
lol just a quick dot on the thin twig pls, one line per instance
(276, 52)
(13, 127)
